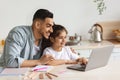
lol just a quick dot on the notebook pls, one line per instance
(14, 71)
(99, 57)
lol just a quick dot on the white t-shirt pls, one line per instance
(35, 51)
(65, 53)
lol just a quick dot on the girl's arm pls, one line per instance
(60, 62)
(56, 62)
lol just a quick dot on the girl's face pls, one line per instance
(60, 40)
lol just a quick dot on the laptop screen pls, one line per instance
(99, 57)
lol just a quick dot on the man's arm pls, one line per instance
(12, 49)
(45, 59)
(29, 63)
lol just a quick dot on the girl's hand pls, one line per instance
(82, 60)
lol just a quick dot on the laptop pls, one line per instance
(99, 57)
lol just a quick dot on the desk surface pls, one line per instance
(109, 72)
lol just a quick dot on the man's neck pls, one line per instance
(37, 42)
(37, 36)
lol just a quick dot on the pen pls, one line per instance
(48, 75)
(52, 74)
(41, 76)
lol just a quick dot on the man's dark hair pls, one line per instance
(42, 14)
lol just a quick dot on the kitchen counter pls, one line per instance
(1, 49)
(84, 48)
(86, 44)
(91, 45)
(115, 42)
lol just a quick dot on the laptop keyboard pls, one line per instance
(78, 67)
(83, 65)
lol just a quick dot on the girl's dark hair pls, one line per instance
(57, 30)
(42, 14)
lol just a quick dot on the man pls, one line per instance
(23, 46)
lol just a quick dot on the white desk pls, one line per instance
(109, 72)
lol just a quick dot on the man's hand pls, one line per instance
(46, 58)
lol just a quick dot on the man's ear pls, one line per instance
(37, 24)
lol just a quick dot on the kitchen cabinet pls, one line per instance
(86, 53)
(115, 54)
(1, 50)
(85, 49)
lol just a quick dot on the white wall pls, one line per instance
(76, 15)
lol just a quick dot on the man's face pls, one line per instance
(46, 27)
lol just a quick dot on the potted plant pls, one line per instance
(100, 6)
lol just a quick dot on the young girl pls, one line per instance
(61, 53)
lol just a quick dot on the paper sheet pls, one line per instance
(14, 71)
